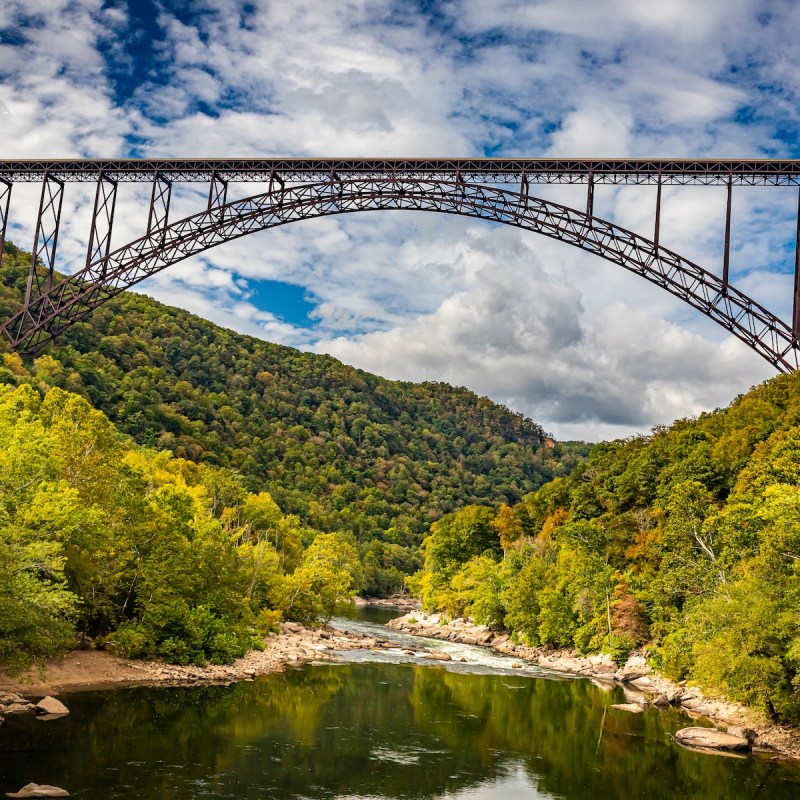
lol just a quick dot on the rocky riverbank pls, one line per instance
(400, 601)
(643, 685)
(89, 669)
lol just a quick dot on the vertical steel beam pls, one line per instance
(726, 256)
(46, 237)
(590, 198)
(274, 178)
(524, 190)
(217, 191)
(5, 201)
(796, 309)
(159, 204)
(105, 201)
(657, 231)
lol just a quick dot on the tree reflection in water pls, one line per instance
(374, 731)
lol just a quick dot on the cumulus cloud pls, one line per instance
(520, 335)
(573, 341)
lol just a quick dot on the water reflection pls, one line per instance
(374, 731)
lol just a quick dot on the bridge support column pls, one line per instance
(46, 237)
(657, 231)
(726, 256)
(105, 200)
(5, 200)
(159, 205)
(217, 191)
(524, 190)
(796, 309)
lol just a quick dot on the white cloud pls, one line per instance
(543, 327)
(519, 335)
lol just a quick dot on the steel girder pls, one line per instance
(72, 299)
(746, 172)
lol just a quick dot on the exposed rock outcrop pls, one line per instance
(711, 738)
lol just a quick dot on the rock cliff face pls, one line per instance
(643, 685)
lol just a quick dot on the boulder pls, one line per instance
(49, 705)
(711, 739)
(19, 708)
(743, 733)
(674, 695)
(661, 701)
(633, 708)
(37, 790)
(438, 655)
(628, 675)
(292, 627)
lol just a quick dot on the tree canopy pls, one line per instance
(685, 543)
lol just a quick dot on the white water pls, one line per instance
(466, 658)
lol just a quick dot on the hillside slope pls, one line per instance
(685, 542)
(343, 449)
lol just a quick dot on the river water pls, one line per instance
(374, 726)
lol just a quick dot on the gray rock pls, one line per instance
(19, 708)
(36, 790)
(675, 695)
(49, 705)
(629, 675)
(743, 733)
(661, 701)
(711, 739)
(633, 708)
(438, 655)
(292, 627)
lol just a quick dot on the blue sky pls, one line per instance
(575, 343)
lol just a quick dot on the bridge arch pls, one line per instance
(73, 298)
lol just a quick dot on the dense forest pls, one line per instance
(342, 449)
(150, 554)
(171, 489)
(226, 483)
(685, 543)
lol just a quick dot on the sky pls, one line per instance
(579, 345)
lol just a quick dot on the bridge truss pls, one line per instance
(494, 189)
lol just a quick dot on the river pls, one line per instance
(378, 725)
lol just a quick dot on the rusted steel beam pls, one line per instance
(75, 297)
(46, 238)
(217, 191)
(796, 306)
(657, 226)
(158, 214)
(726, 252)
(749, 172)
(5, 201)
(105, 200)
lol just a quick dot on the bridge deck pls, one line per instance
(753, 172)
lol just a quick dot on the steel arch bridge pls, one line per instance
(493, 189)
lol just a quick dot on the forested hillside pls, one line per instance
(340, 448)
(685, 542)
(153, 555)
